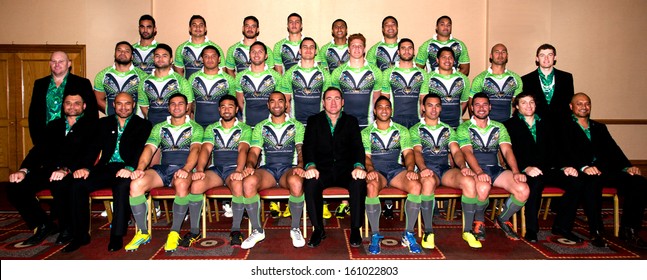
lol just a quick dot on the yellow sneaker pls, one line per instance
(428, 241)
(139, 239)
(287, 213)
(275, 210)
(172, 241)
(326, 212)
(471, 240)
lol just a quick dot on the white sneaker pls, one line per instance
(253, 238)
(297, 238)
(228, 212)
(105, 213)
(158, 211)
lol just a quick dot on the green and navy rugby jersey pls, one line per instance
(207, 90)
(386, 146)
(358, 86)
(256, 88)
(501, 89)
(484, 141)
(187, 56)
(333, 56)
(453, 89)
(226, 141)
(428, 51)
(383, 55)
(278, 142)
(238, 57)
(154, 93)
(175, 142)
(286, 53)
(112, 82)
(306, 85)
(434, 141)
(405, 86)
(143, 56)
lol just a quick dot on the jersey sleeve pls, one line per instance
(334, 77)
(207, 134)
(154, 138)
(222, 61)
(270, 58)
(246, 134)
(277, 53)
(237, 86)
(414, 135)
(465, 57)
(232, 84)
(386, 82)
(327, 79)
(463, 135)
(378, 77)
(230, 62)
(465, 96)
(257, 135)
(504, 137)
(519, 88)
(405, 140)
(98, 80)
(185, 88)
(453, 136)
(142, 97)
(477, 84)
(277, 79)
(178, 61)
(366, 139)
(197, 133)
(286, 81)
(423, 53)
(301, 130)
(321, 56)
(370, 55)
(424, 88)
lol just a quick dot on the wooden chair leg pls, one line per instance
(365, 224)
(541, 204)
(514, 222)
(305, 221)
(215, 206)
(419, 224)
(263, 210)
(106, 204)
(401, 209)
(547, 207)
(205, 209)
(151, 208)
(494, 205)
(616, 216)
(523, 221)
(166, 212)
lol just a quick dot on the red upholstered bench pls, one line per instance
(216, 193)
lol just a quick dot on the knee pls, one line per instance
(468, 187)
(415, 187)
(522, 192)
(372, 189)
(137, 188)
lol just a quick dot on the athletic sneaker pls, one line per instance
(479, 230)
(297, 238)
(252, 239)
(172, 241)
(506, 227)
(374, 247)
(471, 240)
(342, 210)
(139, 239)
(228, 212)
(275, 211)
(189, 239)
(235, 238)
(287, 213)
(409, 240)
(326, 212)
(428, 241)
(158, 211)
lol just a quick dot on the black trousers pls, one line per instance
(633, 190)
(23, 197)
(313, 189)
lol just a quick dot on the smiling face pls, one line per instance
(339, 30)
(383, 110)
(445, 61)
(228, 110)
(356, 49)
(124, 105)
(581, 106)
(390, 29)
(526, 106)
(257, 55)
(59, 63)
(73, 105)
(276, 104)
(546, 58)
(481, 108)
(177, 106)
(432, 108)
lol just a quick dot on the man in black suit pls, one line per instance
(121, 138)
(553, 88)
(47, 96)
(334, 156)
(591, 150)
(66, 152)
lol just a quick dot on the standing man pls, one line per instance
(254, 85)
(143, 50)
(480, 140)
(238, 58)
(435, 145)
(405, 84)
(276, 142)
(187, 54)
(155, 90)
(451, 85)
(123, 76)
(499, 84)
(178, 139)
(209, 84)
(332, 151)
(286, 51)
(384, 54)
(121, 138)
(427, 53)
(66, 152)
(305, 82)
(359, 81)
(47, 96)
(335, 53)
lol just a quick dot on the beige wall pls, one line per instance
(596, 40)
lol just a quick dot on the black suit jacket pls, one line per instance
(337, 153)
(38, 105)
(527, 151)
(73, 151)
(558, 110)
(601, 151)
(132, 140)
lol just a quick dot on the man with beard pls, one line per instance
(254, 85)
(143, 50)
(276, 142)
(187, 54)
(335, 53)
(155, 90)
(443, 39)
(210, 84)
(238, 58)
(123, 76)
(384, 54)
(405, 84)
(451, 85)
(286, 51)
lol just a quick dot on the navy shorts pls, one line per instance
(276, 170)
(166, 172)
(223, 171)
(493, 170)
(439, 170)
(391, 174)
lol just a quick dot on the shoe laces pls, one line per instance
(410, 238)
(478, 226)
(297, 234)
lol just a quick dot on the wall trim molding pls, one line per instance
(623, 121)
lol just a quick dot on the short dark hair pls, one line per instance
(294, 15)
(443, 17)
(389, 17)
(259, 43)
(546, 47)
(178, 94)
(124, 43)
(277, 92)
(382, 97)
(445, 49)
(337, 20)
(252, 18)
(73, 93)
(404, 40)
(341, 93)
(307, 38)
(164, 47)
(523, 94)
(147, 17)
(481, 95)
(210, 47)
(431, 95)
(197, 17)
(228, 97)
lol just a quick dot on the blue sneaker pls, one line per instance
(374, 248)
(409, 240)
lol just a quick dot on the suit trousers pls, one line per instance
(313, 189)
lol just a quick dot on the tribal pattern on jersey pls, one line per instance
(241, 59)
(192, 60)
(364, 85)
(159, 98)
(384, 147)
(279, 145)
(313, 86)
(500, 96)
(386, 57)
(212, 90)
(289, 57)
(143, 58)
(225, 147)
(175, 145)
(434, 142)
(433, 52)
(333, 58)
(306, 93)
(400, 85)
(484, 141)
(114, 84)
(261, 90)
(358, 95)
(451, 91)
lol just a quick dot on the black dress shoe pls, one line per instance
(567, 234)
(42, 232)
(315, 239)
(631, 237)
(75, 244)
(355, 238)
(116, 243)
(63, 238)
(531, 237)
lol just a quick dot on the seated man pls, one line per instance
(435, 147)
(385, 142)
(178, 139)
(66, 153)
(277, 140)
(226, 143)
(480, 139)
